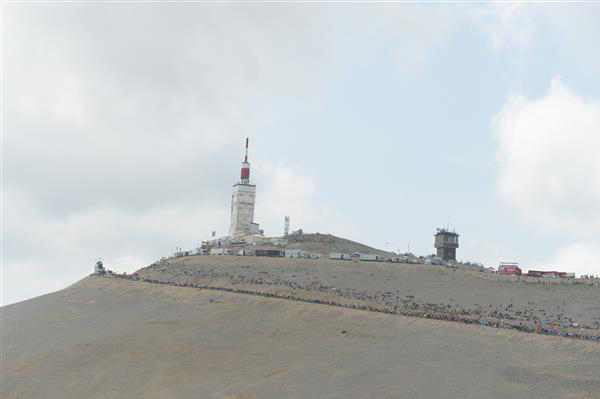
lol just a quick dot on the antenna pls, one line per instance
(246, 157)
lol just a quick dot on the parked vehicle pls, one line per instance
(339, 256)
(510, 269)
(541, 273)
(269, 252)
(368, 257)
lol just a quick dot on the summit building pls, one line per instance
(242, 204)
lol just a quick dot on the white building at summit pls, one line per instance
(242, 204)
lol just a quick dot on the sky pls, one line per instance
(123, 128)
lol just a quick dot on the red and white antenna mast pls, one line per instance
(245, 172)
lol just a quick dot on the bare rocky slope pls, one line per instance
(115, 338)
(560, 307)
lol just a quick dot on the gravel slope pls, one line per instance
(421, 288)
(114, 338)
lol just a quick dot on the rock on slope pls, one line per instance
(327, 243)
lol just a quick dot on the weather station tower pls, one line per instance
(446, 242)
(242, 204)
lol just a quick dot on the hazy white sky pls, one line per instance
(123, 128)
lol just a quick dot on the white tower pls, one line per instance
(242, 203)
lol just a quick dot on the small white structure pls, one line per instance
(198, 251)
(243, 252)
(294, 253)
(221, 242)
(262, 240)
(219, 251)
(277, 240)
(256, 240)
(433, 260)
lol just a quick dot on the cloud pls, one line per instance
(284, 190)
(118, 114)
(510, 27)
(549, 169)
(582, 258)
(548, 159)
(287, 192)
(47, 251)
